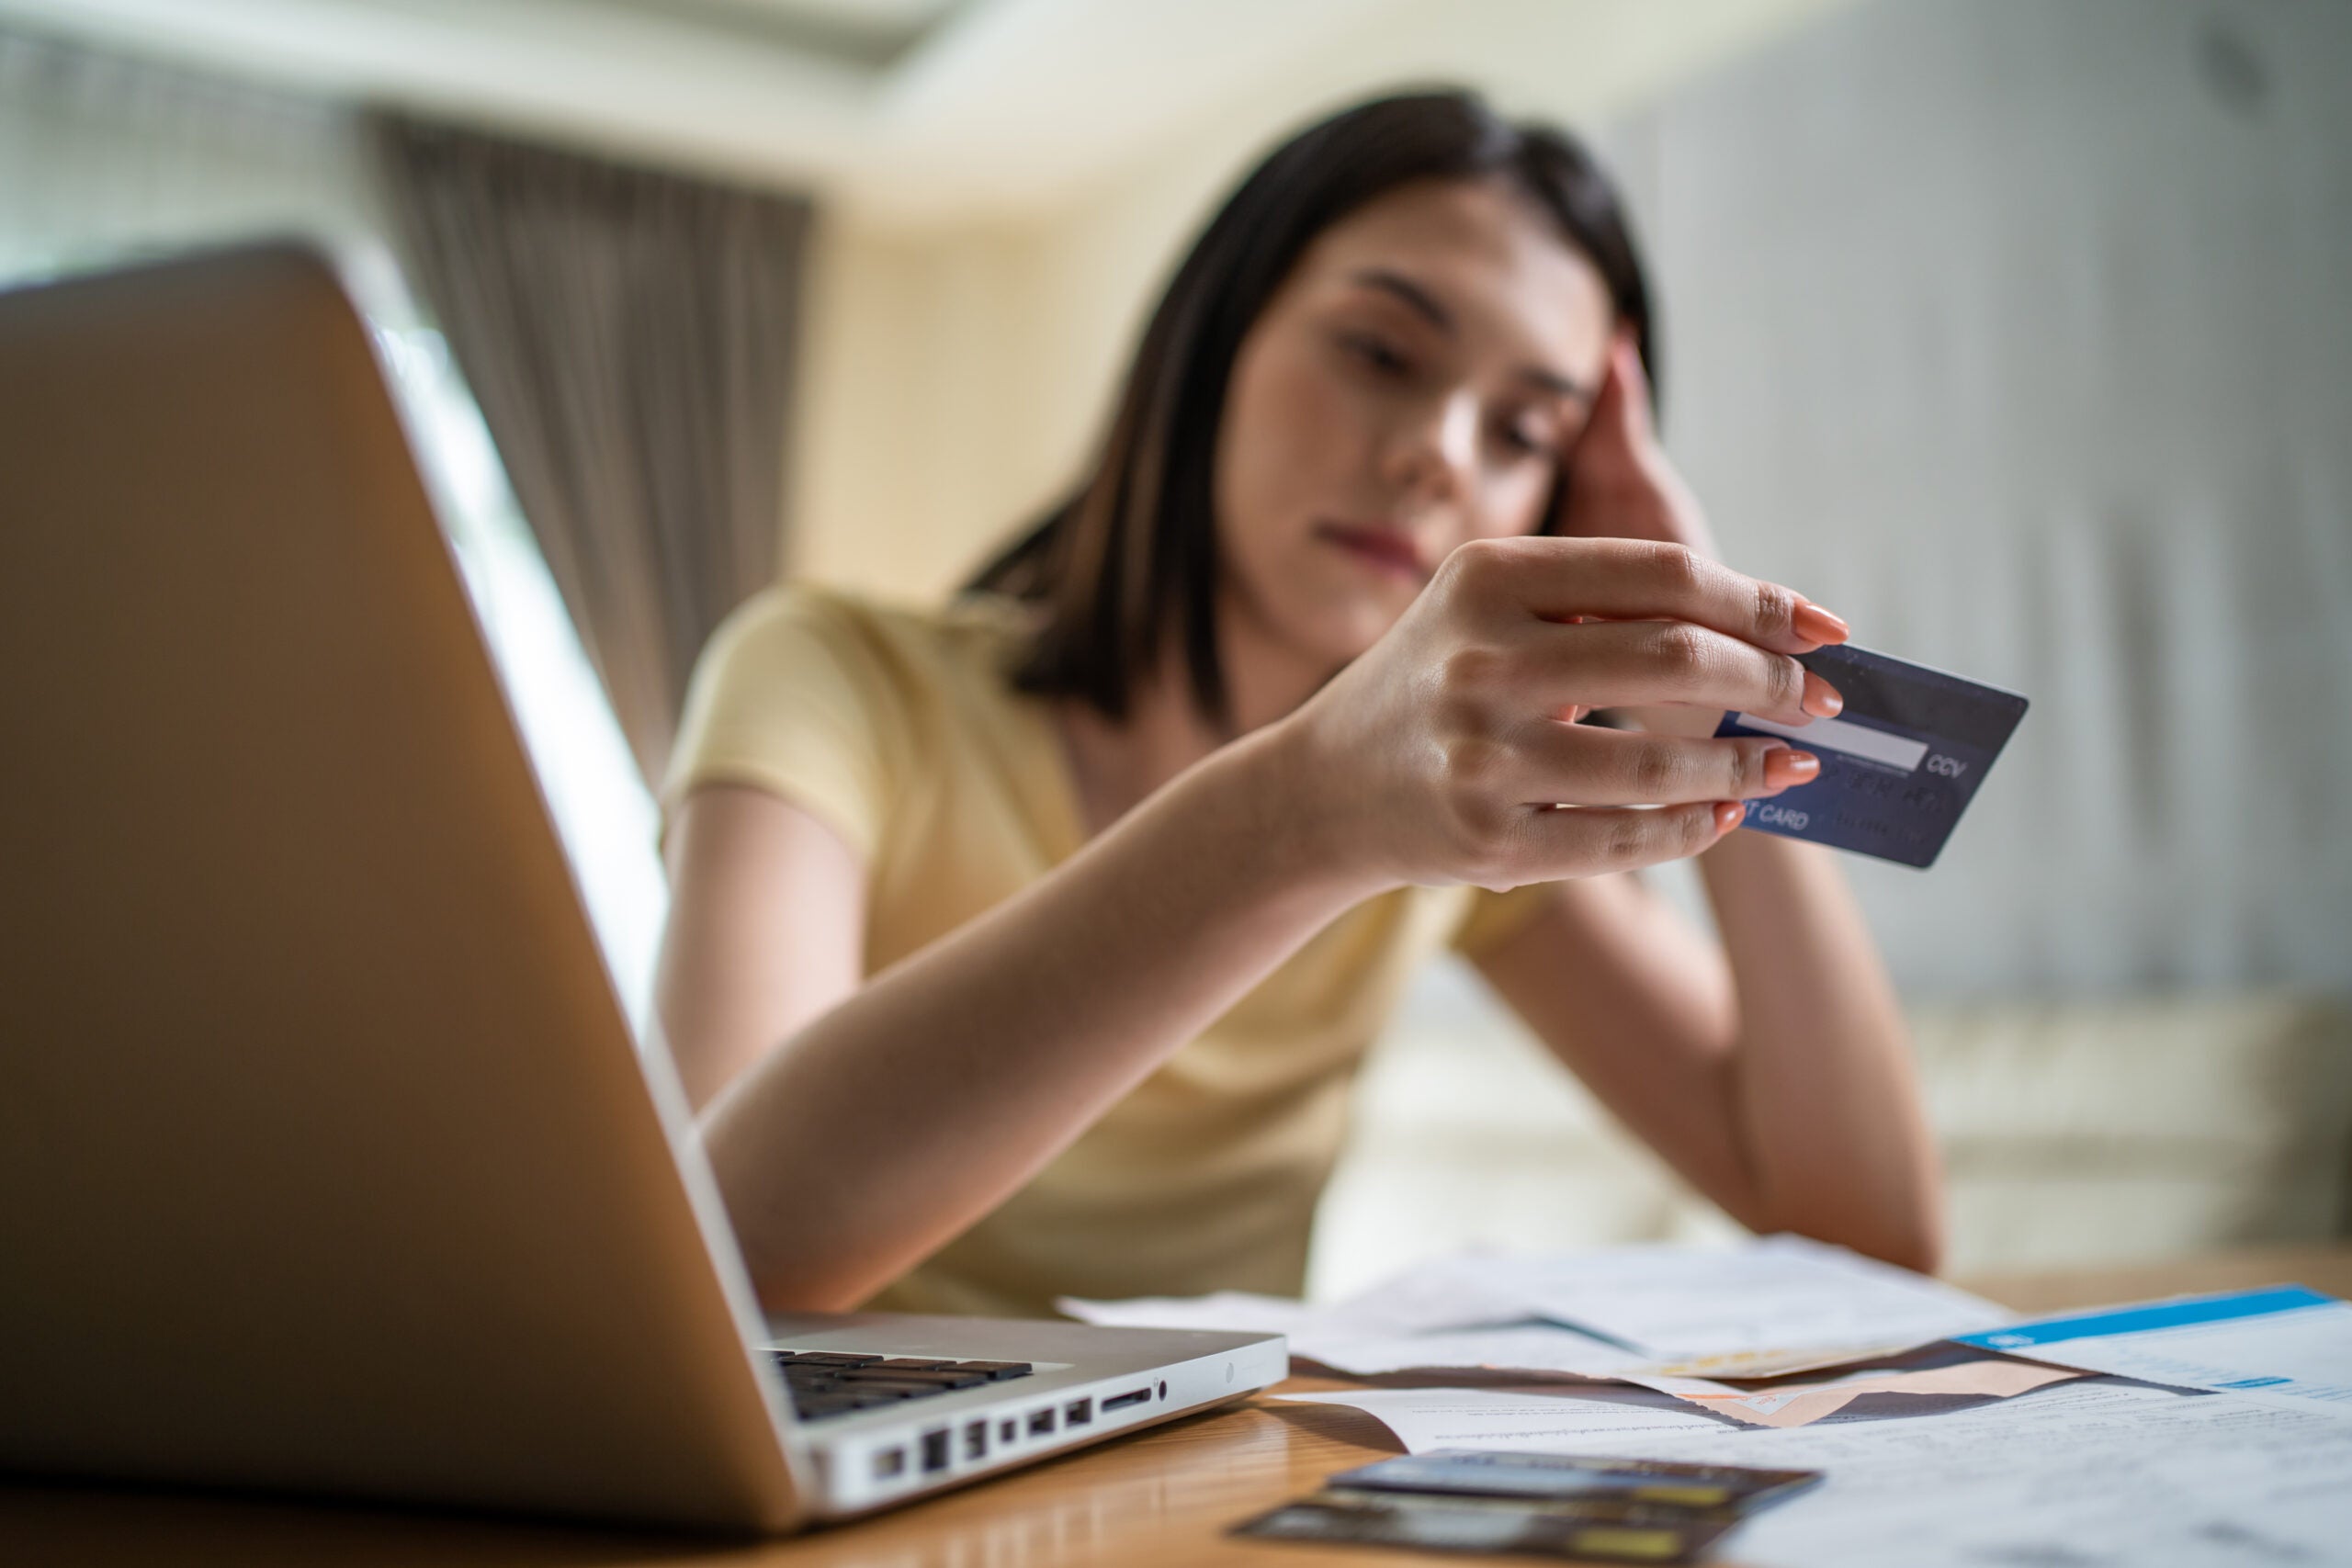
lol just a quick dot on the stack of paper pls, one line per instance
(2099, 1473)
(1678, 1320)
(2093, 1473)
(2234, 1446)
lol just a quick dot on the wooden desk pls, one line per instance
(1162, 1496)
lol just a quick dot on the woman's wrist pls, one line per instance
(1274, 794)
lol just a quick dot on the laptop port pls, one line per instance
(1007, 1429)
(888, 1462)
(934, 1452)
(976, 1440)
(1121, 1401)
(1078, 1413)
(1041, 1422)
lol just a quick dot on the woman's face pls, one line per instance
(1412, 385)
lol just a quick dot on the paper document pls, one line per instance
(1676, 1319)
(1236, 1312)
(1426, 1419)
(1739, 1306)
(1534, 1351)
(2088, 1475)
(1794, 1405)
(1780, 1293)
(2282, 1343)
(1537, 1347)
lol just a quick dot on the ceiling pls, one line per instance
(911, 110)
(871, 34)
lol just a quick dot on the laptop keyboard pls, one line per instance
(830, 1382)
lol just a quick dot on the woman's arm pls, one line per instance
(905, 1109)
(766, 932)
(897, 1114)
(1774, 1074)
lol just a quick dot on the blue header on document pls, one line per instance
(2283, 1344)
(2155, 1316)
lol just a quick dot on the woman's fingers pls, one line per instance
(1619, 427)
(1635, 579)
(1648, 664)
(1586, 765)
(1565, 842)
(1609, 448)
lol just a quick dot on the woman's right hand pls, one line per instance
(1442, 754)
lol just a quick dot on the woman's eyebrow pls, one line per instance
(1424, 303)
(1561, 386)
(1430, 309)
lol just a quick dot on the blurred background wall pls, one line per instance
(2017, 332)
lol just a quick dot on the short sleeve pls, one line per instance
(792, 696)
(1494, 915)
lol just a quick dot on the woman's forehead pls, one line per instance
(1485, 251)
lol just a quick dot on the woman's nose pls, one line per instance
(1437, 452)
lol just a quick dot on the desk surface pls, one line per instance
(1162, 1496)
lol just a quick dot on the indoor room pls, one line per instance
(762, 365)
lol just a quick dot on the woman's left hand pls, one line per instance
(1780, 1087)
(1620, 485)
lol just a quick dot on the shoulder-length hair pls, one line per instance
(1131, 556)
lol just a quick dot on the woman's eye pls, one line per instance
(1519, 438)
(1376, 353)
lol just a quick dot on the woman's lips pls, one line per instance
(1390, 549)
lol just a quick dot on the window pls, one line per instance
(106, 159)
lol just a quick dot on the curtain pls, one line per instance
(631, 336)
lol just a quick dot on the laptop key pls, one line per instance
(946, 1377)
(910, 1364)
(821, 1359)
(999, 1371)
(898, 1389)
(836, 1404)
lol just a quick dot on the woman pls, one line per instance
(1028, 947)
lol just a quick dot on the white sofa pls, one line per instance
(2091, 1132)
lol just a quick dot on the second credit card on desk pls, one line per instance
(1593, 1510)
(1584, 1529)
(1899, 763)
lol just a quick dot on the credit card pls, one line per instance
(1587, 1529)
(1560, 1477)
(1898, 764)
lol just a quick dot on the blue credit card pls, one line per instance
(1898, 765)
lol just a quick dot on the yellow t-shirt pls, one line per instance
(901, 731)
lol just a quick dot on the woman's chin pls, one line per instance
(1333, 627)
(1342, 634)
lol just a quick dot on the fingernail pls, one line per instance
(1821, 698)
(1817, 625)
(1728, 814)
(1783, 767)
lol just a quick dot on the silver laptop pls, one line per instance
(328, 1162)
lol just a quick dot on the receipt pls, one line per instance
(2089, 1474)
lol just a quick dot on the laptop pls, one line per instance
(328, 1160)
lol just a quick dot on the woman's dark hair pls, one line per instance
(1132, 554)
